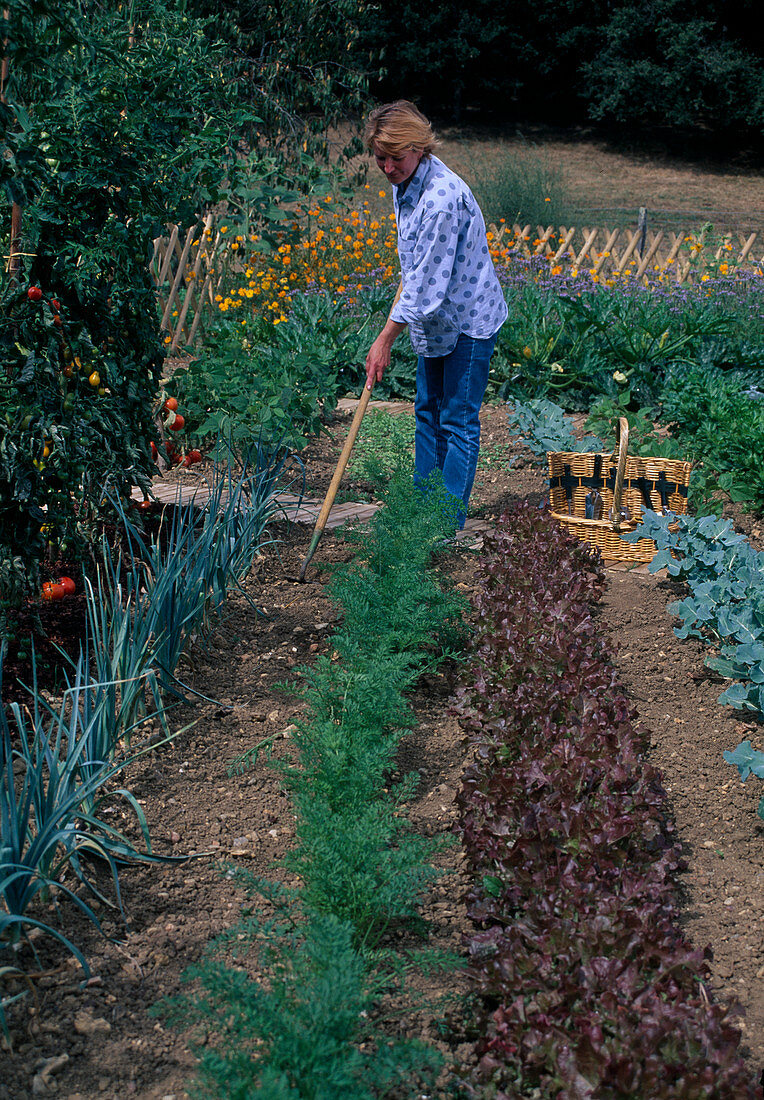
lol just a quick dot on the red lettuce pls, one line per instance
(587, 985)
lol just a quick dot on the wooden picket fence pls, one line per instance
(684, 257)
(189, 267)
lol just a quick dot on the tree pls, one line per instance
(304, 73)
(677, 64)
(566, 61)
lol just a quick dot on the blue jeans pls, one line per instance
(449, 393)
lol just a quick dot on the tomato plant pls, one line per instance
(64, 436)
(114, 121)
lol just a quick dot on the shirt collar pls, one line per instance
(412, 193)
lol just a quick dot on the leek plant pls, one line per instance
(170, 571)
(51, 794)
(123, 638)
(141, 613)
(186, 571)
(51, 799)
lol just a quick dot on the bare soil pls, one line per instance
(101, 1038)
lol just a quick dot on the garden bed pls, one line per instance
(115, 1049)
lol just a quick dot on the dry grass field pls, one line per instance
(605, 185)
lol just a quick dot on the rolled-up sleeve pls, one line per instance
(427, 266)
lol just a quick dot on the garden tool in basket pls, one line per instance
(599, 497)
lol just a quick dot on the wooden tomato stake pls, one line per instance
(334, 486)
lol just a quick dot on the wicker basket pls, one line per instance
(619, 486)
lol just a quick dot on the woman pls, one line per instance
(450, 298)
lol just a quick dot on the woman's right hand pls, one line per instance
(378, 359)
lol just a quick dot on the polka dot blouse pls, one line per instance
(449, 283)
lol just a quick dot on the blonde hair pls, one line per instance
(394, 128)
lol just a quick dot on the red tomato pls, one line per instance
(194, 456)
(53, 591)
(154, 451)
(178, 423)
(144, 505)
(68, 586)
(34, 294)
(55, 304)
(171, 404)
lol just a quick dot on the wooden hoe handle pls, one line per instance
(335, 482)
